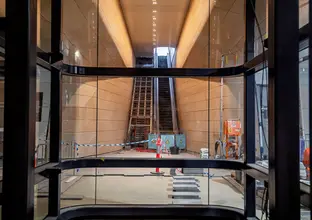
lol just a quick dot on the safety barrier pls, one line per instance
(103, 145)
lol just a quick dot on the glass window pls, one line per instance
(261, 102)
(41, 199)
(100, 114)
(303, 12)
(43, 116)
(44, 25)
(304, 111)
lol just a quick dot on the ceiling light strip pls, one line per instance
(195, 21)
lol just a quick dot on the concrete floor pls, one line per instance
(86, 188)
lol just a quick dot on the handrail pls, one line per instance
(146, 211)
(151, 72)
(150, 163)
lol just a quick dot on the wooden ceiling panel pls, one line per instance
(139, 14)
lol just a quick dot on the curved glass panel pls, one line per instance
(261, 102)
(122, 117)
(42, 150)
(80, 32)
(44, 25)
(303, 13)
(140, 27)
(304, 111)
(261, 25)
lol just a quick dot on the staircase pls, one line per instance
(165, 112)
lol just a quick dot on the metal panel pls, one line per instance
(283, 106)
(19, 110)
(167, 140)
(180, 141)
(152, 141)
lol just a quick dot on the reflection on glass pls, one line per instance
(261, 25)
(262, 200)
(41, 196)
(303, 12)
(2, 8)
(304, 113)
(79, 116)
(43, 116)
(80, 32)
(100, 114)
(44, 25)
(219, 30)
(261, 102)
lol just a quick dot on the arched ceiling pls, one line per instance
(169, 20)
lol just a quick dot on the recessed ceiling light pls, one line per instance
(154, 11)
(154, 19)
(154, 30)
(154, 35)
(154, 3)
(154, 25)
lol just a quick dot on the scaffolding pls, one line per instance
(141, 123)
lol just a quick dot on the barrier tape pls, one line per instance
(102, 145)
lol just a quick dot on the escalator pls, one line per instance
(153, 103)
(166, 100)
(165, 110)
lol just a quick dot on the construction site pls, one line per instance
(156, 103)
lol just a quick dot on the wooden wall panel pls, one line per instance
(192, 104)
(82, 107)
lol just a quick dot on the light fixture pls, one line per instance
(155, 3)
(154, 24)
(154, 39)
(154, 43)
(154, 30)
(154, 11)
(154, 35)
(154, 18)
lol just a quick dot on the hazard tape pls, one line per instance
(102, 145)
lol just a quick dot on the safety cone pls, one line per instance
(158, 156)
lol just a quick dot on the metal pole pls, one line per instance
(284, 187)
(260, 123)
(20, 107)
(173, 106)
(221, 108)
(249, 112)
(56, 107)
(310, 98)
